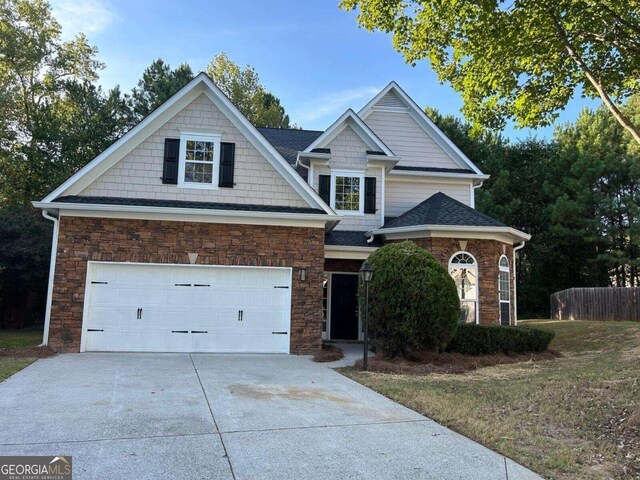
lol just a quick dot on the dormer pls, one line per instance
(346, 166)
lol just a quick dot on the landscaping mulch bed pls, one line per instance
(424, 363)
(27, 352)
(328, 353)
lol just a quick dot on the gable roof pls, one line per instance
(350, 118)
(199, 85)
(389, 98)
(289, 141)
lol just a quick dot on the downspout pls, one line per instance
(515, 282)
(52, 269)
(473, 194)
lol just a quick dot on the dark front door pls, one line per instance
(344, 307)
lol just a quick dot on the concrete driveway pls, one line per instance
(207, 416)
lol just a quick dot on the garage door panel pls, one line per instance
(205, 304)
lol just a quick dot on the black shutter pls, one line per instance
(370, 195)
(170, 166)
(227, 163)
(324, 188)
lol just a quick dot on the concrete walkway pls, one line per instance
(208, 416)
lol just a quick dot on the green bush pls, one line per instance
(413, 301)
(490, 339)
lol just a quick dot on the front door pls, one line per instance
(344, 307)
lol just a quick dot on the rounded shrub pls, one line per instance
(413, 302)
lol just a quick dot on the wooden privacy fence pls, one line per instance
(613, 304)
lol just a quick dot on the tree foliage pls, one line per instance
(521, 60)
(243, 87)
(158, 83)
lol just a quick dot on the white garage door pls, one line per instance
(177, 308)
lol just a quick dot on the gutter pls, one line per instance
(52, 269)
(515, 283)
(451, 228)
(187, 211)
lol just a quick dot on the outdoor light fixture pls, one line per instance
(366, 273)
(303, 274)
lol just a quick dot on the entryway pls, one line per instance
(342, 320)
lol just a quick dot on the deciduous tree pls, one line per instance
(520, 60)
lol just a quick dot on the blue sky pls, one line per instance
(310, 54)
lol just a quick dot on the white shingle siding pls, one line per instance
(402, 195)
(400, 132)
(349, 152)
(139, 173)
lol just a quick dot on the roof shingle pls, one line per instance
(440, 209)
(150, 202)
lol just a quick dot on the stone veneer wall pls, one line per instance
(150, 241)
(487, 254)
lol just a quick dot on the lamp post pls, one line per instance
(366, 272)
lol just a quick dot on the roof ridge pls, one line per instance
(291, 129)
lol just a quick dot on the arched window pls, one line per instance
(504, 289)
(463, 268)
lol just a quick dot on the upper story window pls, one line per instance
(199, 160)
(348, 196)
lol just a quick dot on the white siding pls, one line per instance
(402, 195)
(139, 173)
(391, 99)
(400, 132)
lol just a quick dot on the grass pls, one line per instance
(14, 350)
(573, 417)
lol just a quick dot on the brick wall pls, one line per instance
(82, 239)
(487, 254)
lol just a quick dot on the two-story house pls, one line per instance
(198, 232)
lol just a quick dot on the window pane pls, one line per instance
(504, 285)
(198, 173)
(347, 196)
(465, 280)
(467, 312)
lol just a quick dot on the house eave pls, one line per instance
(462, 176)
(348, 252)
(508, 234)
(190, 214)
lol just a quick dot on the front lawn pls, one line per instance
(17, 350)
(573, 417)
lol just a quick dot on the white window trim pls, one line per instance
(502, 268)
(469, 267)
(202, 137)
(347, 173)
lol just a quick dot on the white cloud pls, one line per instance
(333, 103)
(86, 16)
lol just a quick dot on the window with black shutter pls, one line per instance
(227, 164)
(324, 188)
(171, 159)
(370, 195)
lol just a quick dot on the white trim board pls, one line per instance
(189, 214)
(199, 85)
